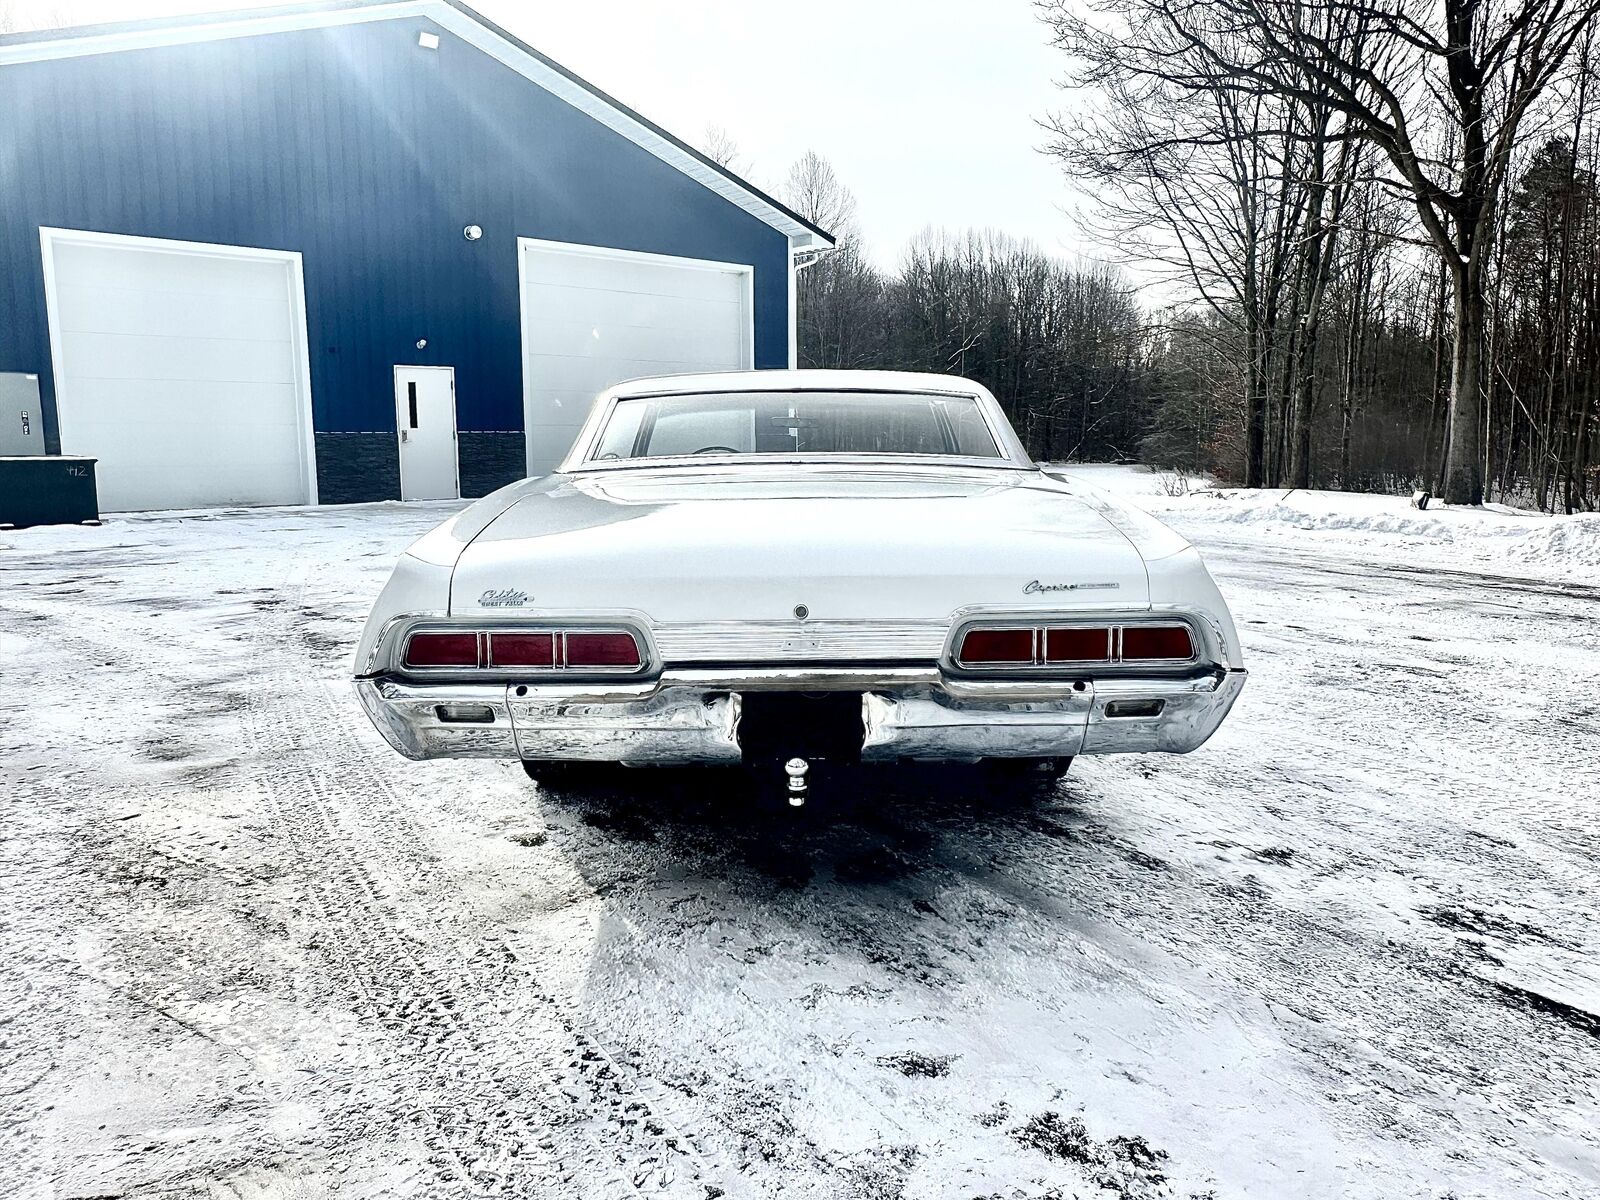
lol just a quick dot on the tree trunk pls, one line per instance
(1279, 464)
(1463, 467)
(1255, 402)
(1355, 343)
(1439, 400)
(1300, 423)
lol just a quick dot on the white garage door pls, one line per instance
(180, 367)
(592, 318)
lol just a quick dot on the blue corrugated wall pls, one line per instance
(368, 155)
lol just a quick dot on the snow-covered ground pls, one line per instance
(1348, 949)
(1494, 538)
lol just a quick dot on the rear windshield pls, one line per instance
(795, 423)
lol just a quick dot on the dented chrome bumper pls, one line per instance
(692, 716)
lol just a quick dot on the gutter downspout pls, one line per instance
(799, 260)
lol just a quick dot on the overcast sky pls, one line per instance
(926, 108)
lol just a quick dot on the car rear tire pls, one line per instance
(1019, 772)
(552, 773)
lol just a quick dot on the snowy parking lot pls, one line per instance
(1347, 949)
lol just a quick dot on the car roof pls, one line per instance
(808, 379)
(1013, 454)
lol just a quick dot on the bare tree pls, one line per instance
(1064, 348)
(1208, 187)
(720, 147)
(1442, 87)
(814, 191)
(839, 295)
(14, 18)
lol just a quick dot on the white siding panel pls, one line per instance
(127, 310)
(178, 369)
(593, 318)
(718, 338)
(611, 271)
(153, 357)
(149, 270)
(634, 309)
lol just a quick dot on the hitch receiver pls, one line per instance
(796, 769)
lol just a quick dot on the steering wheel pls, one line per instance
(716, 450)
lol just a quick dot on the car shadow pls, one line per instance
(861, 826)
(765, 962)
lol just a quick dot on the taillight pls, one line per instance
(519, 649)
(1157, 641)
(1077, 645)
(1070, 645)
(522, 649)
(442, 650)
(602, 650)
(998, 646)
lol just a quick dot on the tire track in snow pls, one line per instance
(514, 1096)
(510, 1094)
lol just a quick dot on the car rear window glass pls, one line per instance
(795, 423)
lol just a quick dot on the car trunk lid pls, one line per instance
(756, 544)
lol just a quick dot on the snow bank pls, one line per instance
(1493, 539)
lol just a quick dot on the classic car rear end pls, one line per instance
(792, 583)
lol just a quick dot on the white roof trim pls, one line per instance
(468, 30)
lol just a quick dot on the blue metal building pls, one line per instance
(353, 251)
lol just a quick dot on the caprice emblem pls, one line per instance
(503, 598)
(1034, 588)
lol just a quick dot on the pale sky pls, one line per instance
(926, 108)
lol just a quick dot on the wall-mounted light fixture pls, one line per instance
(472, 232)
(422, 343)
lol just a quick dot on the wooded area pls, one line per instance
(1366, 243)
(1066, 349)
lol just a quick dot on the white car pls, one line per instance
(791, 566)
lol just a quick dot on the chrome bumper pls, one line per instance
(692, 716)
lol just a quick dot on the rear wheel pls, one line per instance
(1025, 772)
(551, 772)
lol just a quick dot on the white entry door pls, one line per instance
(425, 413)
(593, 317)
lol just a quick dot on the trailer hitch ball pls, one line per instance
(796, 769)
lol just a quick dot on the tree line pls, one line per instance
(1364, 385)
(1350, 192)
(1064, 347)
(1368, 240)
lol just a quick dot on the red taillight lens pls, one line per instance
(997, 646)
(442, 650)
(1077, 645)
(522, 649)
(1156, 641)
(502, 649)
(602, 650)
(1064, 646)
